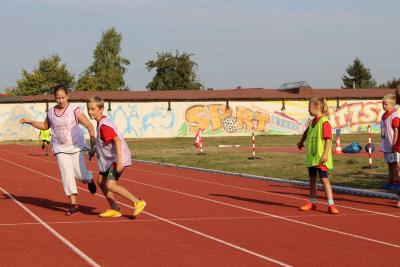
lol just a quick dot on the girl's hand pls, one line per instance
(324, 159)
(300, 145)
(92, 141)
(92, 152)
(25, 120)
(120, 167)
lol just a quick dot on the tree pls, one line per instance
(10, 90)
(43, 78)
(108, 68)
(87, 82)
(394, 83)
(173, 72)
(358, 76)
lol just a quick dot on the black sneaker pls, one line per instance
(74, 209)
(92, 187)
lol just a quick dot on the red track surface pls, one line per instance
(192, 219)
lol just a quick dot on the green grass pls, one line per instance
(347, 171)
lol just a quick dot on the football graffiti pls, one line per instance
(240, 119)
(267, 118)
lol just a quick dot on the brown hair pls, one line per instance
(398, 94)
(59, 87)
(98, 100)
(321, 102)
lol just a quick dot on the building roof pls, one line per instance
(239, 94)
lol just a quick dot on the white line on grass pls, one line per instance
(173, 223)
(80, 253)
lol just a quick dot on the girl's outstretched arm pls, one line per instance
(41, 125)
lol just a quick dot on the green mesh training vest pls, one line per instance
(315, 145)
(45, 135)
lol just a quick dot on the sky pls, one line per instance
(247, 43)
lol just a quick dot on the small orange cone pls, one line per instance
(338, 149)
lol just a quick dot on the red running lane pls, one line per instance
(25, 241)
(270, 237)
(146, 243)
(308, 237)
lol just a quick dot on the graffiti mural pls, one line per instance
(11, 128)
(239, 119)
(157, 119)
(271, 118)
(355, 116)
(140, 120)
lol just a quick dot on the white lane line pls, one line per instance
(237, 187)
(119, 220)
(173, 223)
(260, 191)
(269, 214)
(80, 253)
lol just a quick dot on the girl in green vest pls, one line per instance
(318, 137)
(45, 138)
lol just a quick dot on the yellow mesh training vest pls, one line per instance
(45, 135)
(315, 145)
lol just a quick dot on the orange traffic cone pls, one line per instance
(338, 149)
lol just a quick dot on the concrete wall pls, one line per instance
(149, 120)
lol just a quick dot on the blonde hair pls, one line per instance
(390, 97)
(98, 100)
(321, 103)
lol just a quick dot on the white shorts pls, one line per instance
(73, 166)
(391, 157)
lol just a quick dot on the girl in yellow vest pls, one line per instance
(45, 138)
(318, 137)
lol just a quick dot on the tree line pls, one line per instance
(173, 71)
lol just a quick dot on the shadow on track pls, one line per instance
(50, 204)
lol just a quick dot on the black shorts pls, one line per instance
(111, 173)
(312, 171)
(45, 141)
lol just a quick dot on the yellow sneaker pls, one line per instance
(110, 213)
(139, 207)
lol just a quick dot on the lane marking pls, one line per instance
(269, 214)
(80, 253)
(172, 223)
(121, 220)
(263, 192)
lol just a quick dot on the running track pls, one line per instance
(192, 219)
